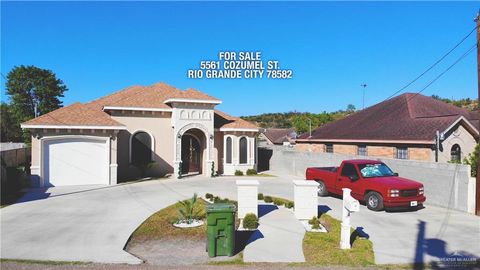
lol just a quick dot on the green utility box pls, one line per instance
(221, 229)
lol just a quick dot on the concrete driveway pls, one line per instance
(93, 223)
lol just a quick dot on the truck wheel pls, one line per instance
(374, 201)
(322, 189)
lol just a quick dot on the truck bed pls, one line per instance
(330, 169)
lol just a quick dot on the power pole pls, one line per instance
(364, 86)
(477, 191)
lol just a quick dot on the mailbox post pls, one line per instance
(350, 205)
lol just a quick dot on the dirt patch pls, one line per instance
(170, 252)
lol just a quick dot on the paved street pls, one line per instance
(94, 223)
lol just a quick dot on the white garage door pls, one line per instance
(76, 161)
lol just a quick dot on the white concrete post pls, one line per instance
(349, 205)
(247, 197)
(306, 199)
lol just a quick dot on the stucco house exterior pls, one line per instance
(409, 126)
(155, 129)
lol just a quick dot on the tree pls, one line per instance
(33, 91)
(351, 108)
(10, 130)
(472, 160)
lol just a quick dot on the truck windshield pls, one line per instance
(375, 170)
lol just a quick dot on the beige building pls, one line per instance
(409, 126)
(152, 130)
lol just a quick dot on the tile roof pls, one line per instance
(405, 117)
(223, 120)
(279, 135)
(154, 96)
(76, 114)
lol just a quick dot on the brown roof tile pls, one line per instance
(76, 114)
(223, 120)
(154, 96)
(405, 117)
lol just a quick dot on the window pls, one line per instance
(456, 153)
(362, 150)
(402, 153)
(349, 170)
(329, 148)
(229, 150)
(243, 150)
(141, 148)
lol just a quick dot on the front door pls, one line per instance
(191, 155)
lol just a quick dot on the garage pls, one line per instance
(75, 161)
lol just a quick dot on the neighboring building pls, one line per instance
(118, 136)
(279, 136)
(404, 127)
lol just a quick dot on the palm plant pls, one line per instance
(187, 210)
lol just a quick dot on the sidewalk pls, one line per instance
(282, 237)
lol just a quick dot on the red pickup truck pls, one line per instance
(371, 181)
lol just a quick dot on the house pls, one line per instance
(408, 126)
(156, 129)
(279, 136)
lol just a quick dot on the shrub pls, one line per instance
(268, 199)
(209, 196)
(278, 201)
(251, 172)
(289, 204)
(187, 209)
(250, 221)
(238, 173)
(315, 223)
(216, 199)
(260, 196)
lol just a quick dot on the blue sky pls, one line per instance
(97, 48)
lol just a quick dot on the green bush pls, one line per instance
(238, 173)
(278, 201)
(209, 196)
(251, 172)
(250, 221)
(216, 199)
(268, 199)
(289, 204)
(315, 223)
(260, 196)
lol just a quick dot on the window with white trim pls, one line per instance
(228, 150)
(243, 147)
(402, 153)
(362, 150)
(329, 148)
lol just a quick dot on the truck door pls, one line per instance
(349, 178)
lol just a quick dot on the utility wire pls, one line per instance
(434, 64)
(471, 49)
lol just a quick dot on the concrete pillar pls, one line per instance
(306, 199)
(247, 197)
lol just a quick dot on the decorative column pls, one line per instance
(306, 199)
(247, 197)
(113, 158)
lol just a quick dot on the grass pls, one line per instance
(43, 262)
(265, 175)
(160, 226)
(323, 249)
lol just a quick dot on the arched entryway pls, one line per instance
(193, 147)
